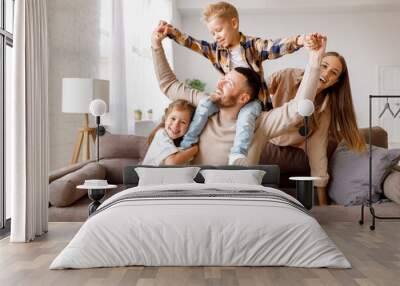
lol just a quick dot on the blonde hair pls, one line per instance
(221, 10)
(181, 105)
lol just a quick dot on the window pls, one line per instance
(6, 44)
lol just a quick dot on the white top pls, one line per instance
(160, 148)
(237, 59)
(305, 178)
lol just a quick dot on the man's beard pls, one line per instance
(226, 101)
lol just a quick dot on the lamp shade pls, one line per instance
(77, 93)
(305, 107)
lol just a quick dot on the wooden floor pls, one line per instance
(375, 257)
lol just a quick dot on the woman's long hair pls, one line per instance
(181, 105)
(343, 118)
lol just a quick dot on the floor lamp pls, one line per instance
(77, 93)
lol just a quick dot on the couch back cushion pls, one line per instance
(122, 146)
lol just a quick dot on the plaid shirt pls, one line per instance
(254, 51)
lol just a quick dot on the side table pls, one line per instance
(95, 193)
(305, 190)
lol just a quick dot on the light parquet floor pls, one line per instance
(375, 257)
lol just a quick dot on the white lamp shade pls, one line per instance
(305, 107)
(98, 107)
(79, 92)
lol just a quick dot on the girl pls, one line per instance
(165, 138)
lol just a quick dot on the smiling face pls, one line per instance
(225, 32)
(230, 88)
(331, 69)
(177, 123)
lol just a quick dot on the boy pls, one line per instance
(232, 49)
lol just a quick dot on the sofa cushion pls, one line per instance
(63, 192)
(122, 146)
(391, 186)
(350, 174)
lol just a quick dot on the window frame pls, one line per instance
(6, 39)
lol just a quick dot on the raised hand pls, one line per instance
(318, 53)
(158, 34)
(313, 41)
(165, 28)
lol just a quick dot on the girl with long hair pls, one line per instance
(334, 115)
(165, 138)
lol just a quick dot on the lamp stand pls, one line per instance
(83, 136)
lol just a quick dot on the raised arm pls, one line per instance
(204, 48)
(169, 84)
(272, 49)
(278, 120)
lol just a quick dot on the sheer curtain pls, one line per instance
(133, 83)
(28, 123)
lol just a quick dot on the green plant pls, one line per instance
(196, 84)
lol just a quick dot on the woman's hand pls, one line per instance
(317, 53)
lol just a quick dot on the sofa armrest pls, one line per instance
(54, 175)
(63, 192)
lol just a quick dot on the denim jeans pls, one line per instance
(204, 110)
(244, 127)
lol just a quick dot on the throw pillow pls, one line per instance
(391, 186)
(350, 173)
(163, 176)
(248, 177)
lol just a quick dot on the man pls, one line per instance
(233, 91)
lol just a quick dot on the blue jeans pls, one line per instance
(244, 127)
(204, 109)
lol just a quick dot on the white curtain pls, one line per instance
(29, 122)
(133, 83)
(118, 69)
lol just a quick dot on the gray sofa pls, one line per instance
(119, 151)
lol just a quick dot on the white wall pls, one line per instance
(74, 33)
(367, 39)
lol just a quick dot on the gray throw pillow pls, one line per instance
(350, 173)
(391, 186)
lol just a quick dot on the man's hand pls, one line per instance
(165, 28)
(158, 35)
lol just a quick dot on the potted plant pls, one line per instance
(137, 113)
(150, 114)
(196, 84)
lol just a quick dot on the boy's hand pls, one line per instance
(313, 41)
(165, 28)
(318, 53)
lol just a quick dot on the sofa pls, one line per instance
(120, 151)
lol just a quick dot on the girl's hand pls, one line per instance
(194, 149)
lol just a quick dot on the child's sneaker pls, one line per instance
(238, 160)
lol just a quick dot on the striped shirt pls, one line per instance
(253, 50)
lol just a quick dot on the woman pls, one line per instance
(334, 114)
